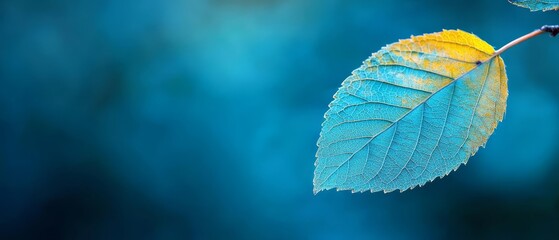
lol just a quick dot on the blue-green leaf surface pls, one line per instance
(415, 110)
(537, 5)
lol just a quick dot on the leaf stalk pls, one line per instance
(553, 30)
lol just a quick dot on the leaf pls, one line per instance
(537, 5)
(414, 111)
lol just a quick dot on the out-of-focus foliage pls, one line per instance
(537, 5)
(414, 111)
(198, 119)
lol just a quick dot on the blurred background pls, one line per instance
(198, 119)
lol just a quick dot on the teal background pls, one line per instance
(198, 120)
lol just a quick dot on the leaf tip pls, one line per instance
(316, 190)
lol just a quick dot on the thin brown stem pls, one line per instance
(552, 29)
(517, 41)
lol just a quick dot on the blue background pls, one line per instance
(198, 119)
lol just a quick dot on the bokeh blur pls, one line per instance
(198, 119)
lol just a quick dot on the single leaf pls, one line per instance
(537, 5)
(414, 111)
